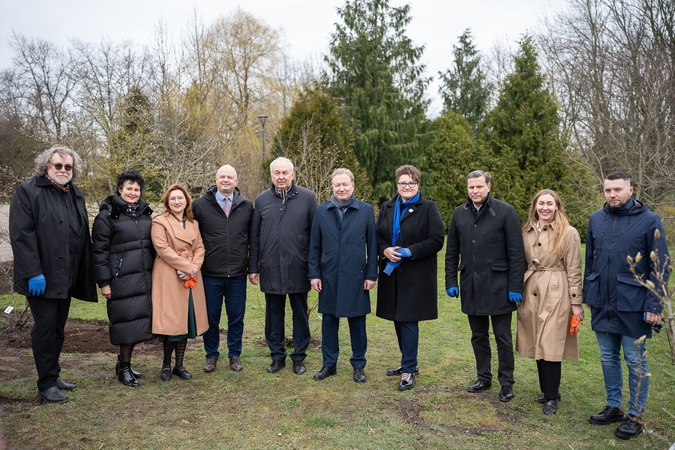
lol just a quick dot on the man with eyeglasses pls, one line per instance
(485, 246)
(49, 232)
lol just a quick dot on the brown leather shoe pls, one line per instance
(210, 365)
(235, 364)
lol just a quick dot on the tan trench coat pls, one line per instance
(177, 249)
(552, 286)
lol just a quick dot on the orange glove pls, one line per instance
(189, 284)
(574, 325)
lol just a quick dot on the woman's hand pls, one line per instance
(578, 311)
(106, 291)
(391, 254)
(194, 272)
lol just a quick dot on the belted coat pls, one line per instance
(177, 249)
(552, 286)
(486, 248)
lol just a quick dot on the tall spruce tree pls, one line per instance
(375, 75)
(523, 137)
(464, 86)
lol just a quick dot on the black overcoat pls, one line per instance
(39, 233)
(410, 294)
(279, 245)
(487, 250)
(123, 259)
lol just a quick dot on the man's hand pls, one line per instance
(316, 284)
(368, 284)
(515, 297)
(253, 278)
(106, 291)
(37, 285)
(452, 291)
(652, 319)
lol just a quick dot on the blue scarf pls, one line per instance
(396, 227)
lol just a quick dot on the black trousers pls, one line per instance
(480, 340)
(274, 325)
(47, 336)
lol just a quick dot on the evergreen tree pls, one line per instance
(375, 75)
(464, 87)
(449, 158)
(523, 135)
(313, 136)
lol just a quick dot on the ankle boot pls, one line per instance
(126, 377)
(117, 368)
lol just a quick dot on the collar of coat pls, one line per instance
(187, 234)
(116, 206)
(631, 208)
(237, 196)
(487, 204)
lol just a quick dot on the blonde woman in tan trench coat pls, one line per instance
(178, 301)
(552, 294)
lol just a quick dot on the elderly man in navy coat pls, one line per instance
(343, 269)
(485, 232)
(623, 310)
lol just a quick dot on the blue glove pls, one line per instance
(452, 291)
(405, 252)
(37, 285)
(515, 297)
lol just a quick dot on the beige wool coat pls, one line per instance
(552, 286)
(177, 249)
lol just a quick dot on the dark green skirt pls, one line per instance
(192, 325)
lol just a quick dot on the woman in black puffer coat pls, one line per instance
(123, 260)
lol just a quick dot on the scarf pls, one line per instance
(132, 210)
(396, 227)
(341, 207)
(61, 187)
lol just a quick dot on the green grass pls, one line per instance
(256, 410)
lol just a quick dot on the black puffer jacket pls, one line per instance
(123, 259)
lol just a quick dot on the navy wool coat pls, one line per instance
(487, 251)
(343, 255)
(410, 293)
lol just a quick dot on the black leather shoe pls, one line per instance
(126, 377)
(117, 369)
(550, 407)
(629, 429)
(480, 386)
(608, 415)
(407, 382)
(299, 368)
(181, 372)
(324, 373)
(541, 399)
(277, 365)
(399, 370)
(506, 394)
(359, 376)
(62, 385)
(165, 374)
(52, 395)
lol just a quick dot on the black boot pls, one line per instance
(126, 377)
(117, 369)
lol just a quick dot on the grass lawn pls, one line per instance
(255, 410)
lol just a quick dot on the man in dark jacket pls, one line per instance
(623, 310)
(280, 232)
(224, 216)
(343, 269)
(49, 230)
(485, 233)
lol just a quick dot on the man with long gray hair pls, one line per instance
(49, 230)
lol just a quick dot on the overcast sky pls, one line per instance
(306, 24)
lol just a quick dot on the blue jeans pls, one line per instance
(610, 347)
(234, 291)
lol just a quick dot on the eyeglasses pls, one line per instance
(409, 184)
(59, 166)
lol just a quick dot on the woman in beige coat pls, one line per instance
(552, 294)
(178, 301)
